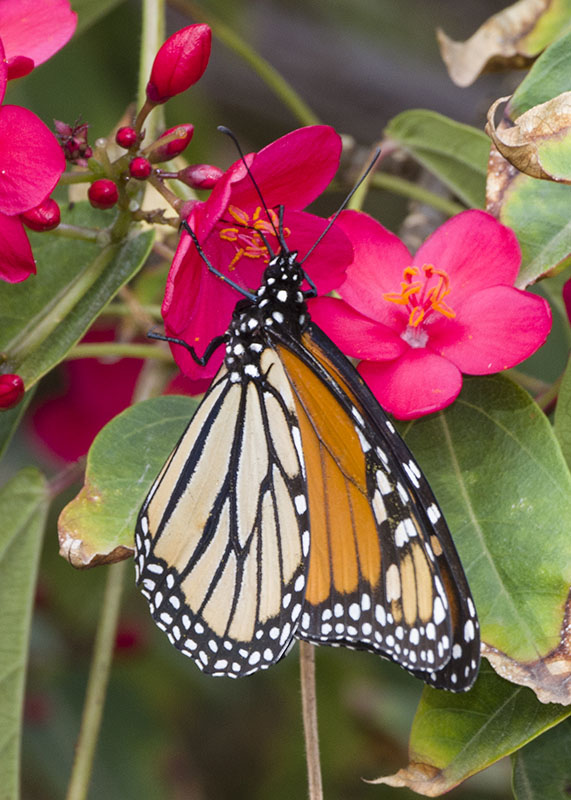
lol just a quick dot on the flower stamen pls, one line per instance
(422, 297)
(249, 232)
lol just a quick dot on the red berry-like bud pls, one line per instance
(11, 391)
(103, 193)
(44, 217)
(179, 63)
(163, 152)
(140, 168)
(200, 176)
(126, 137)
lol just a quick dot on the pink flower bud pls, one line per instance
(18, 66)
(140, 168)
(126, 137)
(11, 391)
(200, 176)
(103, 193)
(44, 217)
(163, 152)
(179, 63)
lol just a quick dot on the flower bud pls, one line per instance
(126, 137)
(11, 391)
(163, 152)
(103, 193)
(44, 217)
(200, 176)
(179, 63)
(18, 66)
(140, 168)
(73, 139)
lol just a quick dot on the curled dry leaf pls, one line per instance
(421, 778)
(499, 44)
(539, 142)
(549, 676)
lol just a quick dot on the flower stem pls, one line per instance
(393, 183)
(228, 36)
(309, 707)
(97, 684)
(152, 37)
(118, 350)
(76, 232)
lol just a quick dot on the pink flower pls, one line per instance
(291, 171)
(180, 62)
(32, 32)
(419, 322)
(31, 162)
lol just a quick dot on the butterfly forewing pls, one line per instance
(221, 537)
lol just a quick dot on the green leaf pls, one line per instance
(542, 769)
(496, 468)
(538, 212)
(23, 509)
(562, 422)
(43, 317)
(125, 458)
(547, 78)
(455, 735)
(457, 154)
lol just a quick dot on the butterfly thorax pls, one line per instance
(279, 304)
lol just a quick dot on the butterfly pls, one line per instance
(292, 509)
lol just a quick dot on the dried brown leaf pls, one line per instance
(523, 142)
(421, 778)
(497, 45)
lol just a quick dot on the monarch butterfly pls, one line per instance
(291, 508)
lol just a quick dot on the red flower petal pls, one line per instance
(475, 250)
(418, 383)
(293, 170)
(357, 336)
(378, 264)
(36, 30)
(16, 257)
(31, 160)
(496, 329)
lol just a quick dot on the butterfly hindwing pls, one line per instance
(220, 537)
(384, 574)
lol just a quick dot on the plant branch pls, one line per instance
(97, 684)
(119, 350)
(309, 707)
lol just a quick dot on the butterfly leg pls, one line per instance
(200, 360)
(211, 268)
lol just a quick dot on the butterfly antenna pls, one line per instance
(343, 204)
(278, 232)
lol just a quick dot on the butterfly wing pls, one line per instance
(222, 537)
(383, 574)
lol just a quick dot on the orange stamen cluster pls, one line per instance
(420, 297)
(246, 233)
